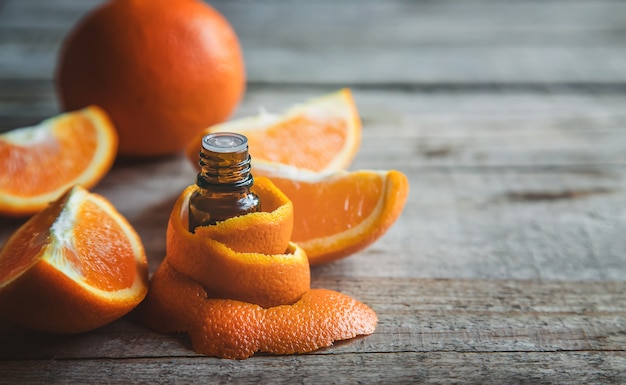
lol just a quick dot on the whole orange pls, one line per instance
(163, 70)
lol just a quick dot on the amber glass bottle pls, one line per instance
(224, 181)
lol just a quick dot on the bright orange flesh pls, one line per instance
(300, 141)
(250, 291)
(164, 70)
(102, 252)
(338, 214)
(322, 134)
(39, 163)
(341, 203)
(74, 266)
(45, 159)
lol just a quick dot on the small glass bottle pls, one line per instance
(224, 181)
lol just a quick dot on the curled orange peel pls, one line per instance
(234, 329)
(241, 286)
(266, 232)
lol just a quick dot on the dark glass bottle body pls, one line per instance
(224, 181)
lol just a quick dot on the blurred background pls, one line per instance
(397, 45)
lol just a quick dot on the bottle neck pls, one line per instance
(230, 170)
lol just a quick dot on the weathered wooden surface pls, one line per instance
(431, 331)
(508, 264)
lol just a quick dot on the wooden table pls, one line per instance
(508, 264)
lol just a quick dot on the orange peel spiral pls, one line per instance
(240, 286)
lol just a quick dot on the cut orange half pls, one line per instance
(320, 135)
(72, 267)
(340, 213)
(41, 162)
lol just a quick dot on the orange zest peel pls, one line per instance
(234, 298)
(234, 329)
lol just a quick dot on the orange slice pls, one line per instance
(236, 296)
(41, 162)
(72, 267)
(320, 135)
(338, 214)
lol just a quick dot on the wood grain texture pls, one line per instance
(469, 330)
(379, 368)
(371, 42)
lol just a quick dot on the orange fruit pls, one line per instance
(234, 329)
(74, 266)
(251, 258)
(41, 162)
(338, 214)
(321, 135)
(248, 291)
(162, 69)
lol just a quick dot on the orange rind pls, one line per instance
(247, 258)
(234, 329)
(237, 287)
(265, 232)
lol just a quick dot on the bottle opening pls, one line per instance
(225, 142)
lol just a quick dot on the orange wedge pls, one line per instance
(72, 267)
(41, 162)
(236, 296)
(321, 135)
(338, 214)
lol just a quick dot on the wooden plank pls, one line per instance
(437, 329)
(400, 368)
(436, 22)
(390, 42)
(415, 315)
